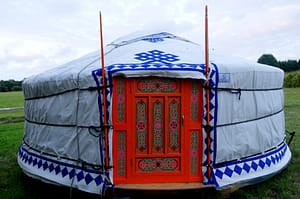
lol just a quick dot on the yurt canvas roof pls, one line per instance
(77, 74)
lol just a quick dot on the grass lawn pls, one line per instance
(8, 100)
(11, 99)
(14, 184)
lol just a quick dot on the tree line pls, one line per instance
(10, 85)
(287, 66)
(291, 78)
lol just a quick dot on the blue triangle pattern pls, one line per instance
(268, 162)
(72, 173)
(238, 169)
(211, 94)
(211, 84)
(51, 167)
(88, 178)
(40, 163)
(24, 156)
(246, 167)
(57, 169)
(228, 171)
(80, 176)
(211, 117)
(205, 151)
(34, 162)
(273, 159)
(30, 160)
(205, 140)
(45, 166)
(261, 164)
(211, 105)
(280, 156)
(64, 172)
(254, 165)
(219, 174)
(98, 180)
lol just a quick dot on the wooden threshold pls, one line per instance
(163, 186)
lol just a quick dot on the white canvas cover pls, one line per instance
(63, 142)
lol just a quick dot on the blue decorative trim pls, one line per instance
(154, 66)
(64, 169)
(283, 147)
(249, 165)
(213, 83)
(215, 112)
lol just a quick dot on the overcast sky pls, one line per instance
(36, 35)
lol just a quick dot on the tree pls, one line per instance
(290, 65)
(268, 59)
(10, 85)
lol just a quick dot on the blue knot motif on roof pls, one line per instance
(156, 56)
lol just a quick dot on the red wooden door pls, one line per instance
(157, 130)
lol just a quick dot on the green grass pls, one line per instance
(11, 99)
(8, 100)
(12, 116)
(14, 184)
(10, 139)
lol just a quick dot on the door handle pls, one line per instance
(182, 119)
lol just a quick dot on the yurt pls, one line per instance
(155, 117)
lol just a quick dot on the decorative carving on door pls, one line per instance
(155, 85)
(158, 125)
(141, 125)
(174, 125)
(158, 164)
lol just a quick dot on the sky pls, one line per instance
(37, 35)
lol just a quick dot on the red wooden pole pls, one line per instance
(207, 95)
(105, 125)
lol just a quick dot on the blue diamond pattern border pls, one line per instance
(61, 169)
(252, 164)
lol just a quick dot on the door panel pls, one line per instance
(158, 127)
(141, 125)
(174, 125)
(159, 131)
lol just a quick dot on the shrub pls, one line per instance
(292, 79)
